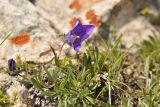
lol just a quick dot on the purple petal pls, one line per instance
(68, 38)
(78, 29)
(77, 44)
(77, 23)
(76, 48)
(89, 30)
(82, 31)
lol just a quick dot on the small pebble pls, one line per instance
(129, 72)
(31, 90)
(39, 94)
(42, 103)
(32, 96)
(37, 102)
(47, 101)
(36, 91)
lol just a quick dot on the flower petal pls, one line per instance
(78, 29)
(76, 48)
(81, 32)
(77, 23)
(68, 38)
(89, 30)
(77, 44)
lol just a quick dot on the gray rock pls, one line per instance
(47, 102)
(135, 31)
(42, 103)
(20, 16)
(31, 90)
(126, 20)
(38, 102)
(44, 20)
(32, 97)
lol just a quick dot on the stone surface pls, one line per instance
(135, 31)
(47, 20)
(53, 11)
(18, 16)
(127, 21)
(44, 20)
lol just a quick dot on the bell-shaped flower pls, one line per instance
(11, 65)
(78, 34)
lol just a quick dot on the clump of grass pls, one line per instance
(150, 91)
(150, 52)
(151, 46)
(95, 78)
(4, 99)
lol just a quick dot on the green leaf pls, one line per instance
(5, 38)
(85, 60)
(126, 102)
(56, 57)
(140, 85)
(52, 75)
(50, 94)
(146, 65)
(37, 84)
(91, 100)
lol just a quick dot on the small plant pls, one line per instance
(4, 100)
(150, 91)
(90, 81)
(96, 77)
(151, 46)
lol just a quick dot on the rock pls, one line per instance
(31, 90)
(62, 16)
(126, 20)
(4, 78)
(45, 22)
(20, 16)
(37, 102)
(42, 103)
(135, 31)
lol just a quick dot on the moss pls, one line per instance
(4, 99)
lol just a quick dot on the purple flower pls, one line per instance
(78, 34)
(11, 64)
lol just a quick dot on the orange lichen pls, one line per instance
(93, 18)
(20, 39)
(75, 4)
(79, 4)
(96, 22)
(90, 15)
(96, 1)
(73, 21)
